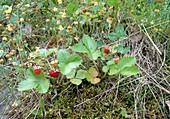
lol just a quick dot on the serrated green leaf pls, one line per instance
(62, 56)
(122, 35)
(43, 86)
(96, 54)
(129, 71)
(71, 74)
(126, 62)
(110, 62)
(119, 29)
(31, 76)
(80, 48)
(90, 43)
(27, 85)
(113, 70)
(105, 68)
(76, 81)
(120, 32)
(121, 49)
(64, 68)
(74, 61)
(34, 81)
(69, 63)
(113, 36)
(89, 77)
(81, 74)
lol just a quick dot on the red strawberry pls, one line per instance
(84, 9)
(106, 50)
(54, 73)
(37, 70)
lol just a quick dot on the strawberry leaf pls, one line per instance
(27, 85)
(129, 71)
(91, 76)
(126, 62)
(68, 62)
(62, 56)
(105, 68)
(76, 81)
(113, 70)
(81, 74)
(43, 85)
(119, 34)
(80, 48)
(113, 36)
(34, 81)
(90, 43)
(71, 74)
(96, 54)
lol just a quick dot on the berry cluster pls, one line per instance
(53, 73)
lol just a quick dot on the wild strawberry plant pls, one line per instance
(69, 64)
(33, 81)
(118, 34)
(87, 45)
(126, 67)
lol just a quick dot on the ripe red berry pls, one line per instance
(84, 9)
(37, 70)
(54, 73)
(106, 50)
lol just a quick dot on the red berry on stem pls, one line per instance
(54, 73)
(37, 70)
(106, 50)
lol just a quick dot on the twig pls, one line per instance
(146, 33)
(155, 82)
